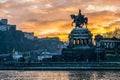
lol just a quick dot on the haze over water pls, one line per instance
(59, 75)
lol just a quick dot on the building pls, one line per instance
(4, 26)
(109, 45)
(46, 56)
(16, 56)
(80, 46)
(29, 35)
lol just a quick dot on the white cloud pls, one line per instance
(26, 0)
(90, 7)
(3, 1)
(102, 8)
(48, 6)
(48, 31)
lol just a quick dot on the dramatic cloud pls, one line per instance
(50, 18)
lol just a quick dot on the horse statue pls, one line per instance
(79, 20)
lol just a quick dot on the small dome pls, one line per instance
(98, 37)
(79, 30)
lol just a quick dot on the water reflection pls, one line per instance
(59, 75)
(34, 75)
(94, 75)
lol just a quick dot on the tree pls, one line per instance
(116, 33)
(21, 59)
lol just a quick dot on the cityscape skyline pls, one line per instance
(50, 18)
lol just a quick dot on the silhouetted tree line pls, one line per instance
(114, 34)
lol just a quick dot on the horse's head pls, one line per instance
(72, 16)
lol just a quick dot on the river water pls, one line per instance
(59, 75)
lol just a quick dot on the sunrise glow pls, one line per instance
(51, 18)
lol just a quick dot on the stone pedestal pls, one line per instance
(80, 46)
(80, 37)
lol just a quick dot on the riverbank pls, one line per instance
(61, 66)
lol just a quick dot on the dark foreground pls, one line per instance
(62, 66)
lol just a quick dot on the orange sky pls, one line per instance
(50, 18)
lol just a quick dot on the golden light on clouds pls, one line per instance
(51, 18)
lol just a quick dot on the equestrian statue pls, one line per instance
(79, 20)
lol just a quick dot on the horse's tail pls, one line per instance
(86, 21)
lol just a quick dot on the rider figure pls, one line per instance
(79, 20)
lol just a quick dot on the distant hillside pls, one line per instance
(12, 39)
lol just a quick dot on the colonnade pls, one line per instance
(80, 41)
(109, 45)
